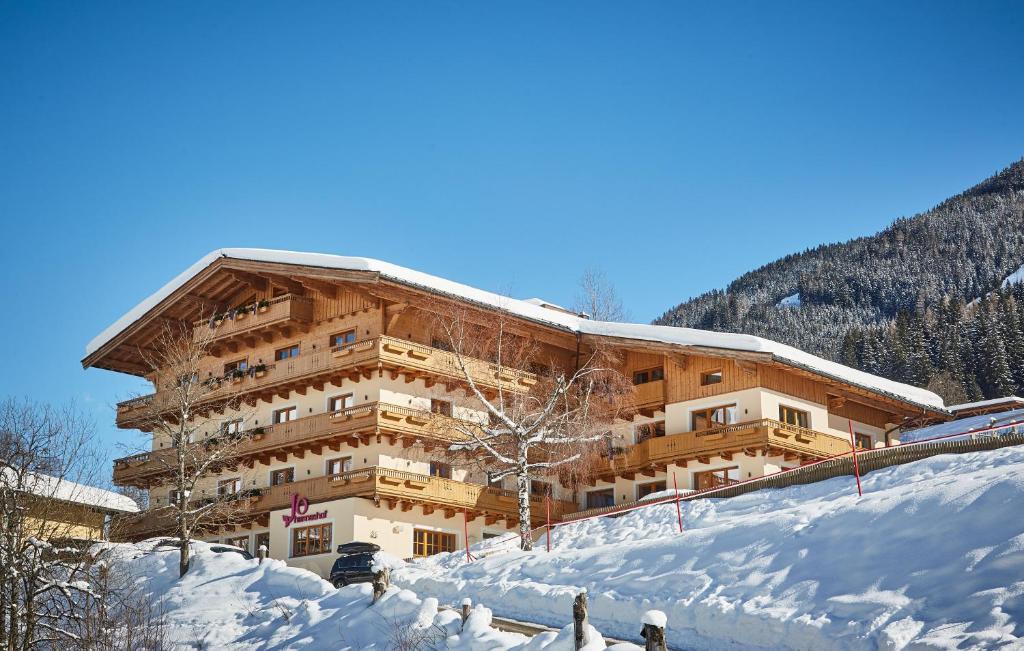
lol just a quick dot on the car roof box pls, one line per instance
(358, 548)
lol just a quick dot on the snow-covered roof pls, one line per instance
(534, 312)
(981, 404)
(1012, 418)
(56, 488)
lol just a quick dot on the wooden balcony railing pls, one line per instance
(274, 313)
(388, 486)
(308, 433)
(649, 396)
(366, 356)
(765, 434)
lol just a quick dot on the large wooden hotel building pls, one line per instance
(336, 365)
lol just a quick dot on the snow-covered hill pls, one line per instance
(228, 602)
(932, 556)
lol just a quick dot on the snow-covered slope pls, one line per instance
(932, 556)
(228, 602)
(1012, 420)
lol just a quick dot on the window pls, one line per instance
(649, 375)
(793, 416)
(261, 539)
(491, 481)
(715, 478)
(711, 377)
(339, 465)
(712, 417)
(646, 431)
(307, 541)
(643, 490)
(342, 338)
(540, 487)
(240, 541)
(863, 441)
(172, 497)
(237, 365)
(601, 498)
(282, 476)
(231, 427)
(286, 353)
(428, 543)
(285, 415)
(338, 403)
(442, 407)
(229, 486)
(439, 469)
(539, 369)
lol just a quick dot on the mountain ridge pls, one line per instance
(843, 295)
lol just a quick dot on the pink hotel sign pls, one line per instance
(300, 512)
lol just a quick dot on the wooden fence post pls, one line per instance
(262, 553)
(467, 605)
(579, 619)
(381, 581)
(654, 622)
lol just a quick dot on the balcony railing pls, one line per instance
(757, 434)
(254, 318)
(387, 485)
(142, 469)
(361, 356)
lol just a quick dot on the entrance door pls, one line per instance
(716, 478)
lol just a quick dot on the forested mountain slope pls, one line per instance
(901, 303)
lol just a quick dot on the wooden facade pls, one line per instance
(375, 340)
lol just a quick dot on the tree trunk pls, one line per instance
(523, 490)
(183, 558)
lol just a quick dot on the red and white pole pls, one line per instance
(679, 510)
(856, 466)
(547, 508)
(465, 534)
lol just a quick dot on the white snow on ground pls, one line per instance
(529, 310)
(793, 300)
(1008, 421)
(1015, 277)
(228, 602)
(931, 557)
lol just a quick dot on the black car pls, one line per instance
(355, 565)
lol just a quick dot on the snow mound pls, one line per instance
(228, 602)
(931, 557)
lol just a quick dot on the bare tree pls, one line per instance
(45, 461)
(532, 424)
(598, 299)
(187, 413)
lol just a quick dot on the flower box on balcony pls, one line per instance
(783, 433)
(417, 419)
(396, 348)
(419, 354)
(390, 415)
(417, 483)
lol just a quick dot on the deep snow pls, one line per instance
(228, 602)
(932, 556)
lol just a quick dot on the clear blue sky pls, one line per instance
(506, 145)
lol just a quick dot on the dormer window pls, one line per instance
(708, 378)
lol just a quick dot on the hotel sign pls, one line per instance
(300, 512)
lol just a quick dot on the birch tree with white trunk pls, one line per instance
(547, 413)
(195, 412)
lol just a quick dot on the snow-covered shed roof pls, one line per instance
(56, 488)
(988, 405)
(683, 337)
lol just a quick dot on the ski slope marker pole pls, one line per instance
(547, 507)
(856, 466)
(679, 511)
(465, 533)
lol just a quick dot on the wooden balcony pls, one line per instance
(355, 361)
(767, 435)
(261, 322)
(649, 397)
(393, 489)
(353, 426)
